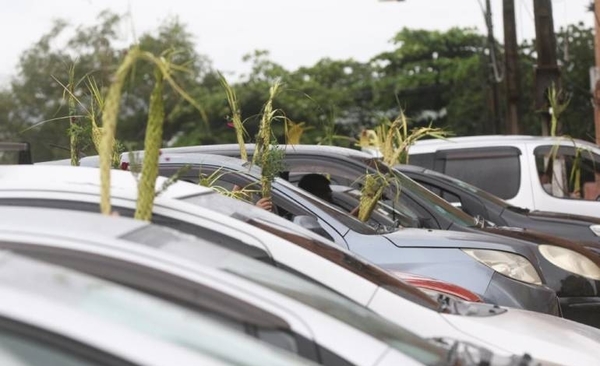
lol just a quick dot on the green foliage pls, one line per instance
(440, 79)
(576, 54)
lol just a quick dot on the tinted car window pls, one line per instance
(499, 175)
(440, 206)
(471, 188)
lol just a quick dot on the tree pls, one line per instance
(44, 71)
(438, 77)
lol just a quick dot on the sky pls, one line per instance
(296, 33)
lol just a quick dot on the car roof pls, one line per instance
(85, 179)
(289, 149)
(409, 168)
(199, 159)
(487, 140)
(145, 244)
(55, 221)
(100, 228)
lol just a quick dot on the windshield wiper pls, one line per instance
(520, 210)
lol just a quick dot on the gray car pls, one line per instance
(452, 257)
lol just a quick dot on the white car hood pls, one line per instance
(545, 337)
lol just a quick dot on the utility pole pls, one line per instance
(511, 62)
(497, 78)
(597, 81)
(547, 73)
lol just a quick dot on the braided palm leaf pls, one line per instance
(240, 132)
(152, 144)
(109, 126)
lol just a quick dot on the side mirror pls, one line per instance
(307, 222)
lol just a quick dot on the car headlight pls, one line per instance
(508, 264)
(595, 229)
(570, 261)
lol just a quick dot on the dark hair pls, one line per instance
(316, 184)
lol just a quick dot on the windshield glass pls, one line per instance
(471, 188)
(438, 204)
(383, 214)
(342, 309)
(345, 218)
(144, 313)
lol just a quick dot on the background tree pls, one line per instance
(438, 77)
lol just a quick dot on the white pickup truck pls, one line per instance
(534, 172)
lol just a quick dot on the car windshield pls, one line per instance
(152, 316)
(438, 204)
(343, 217)
(384, 214)
(342, 309)
(471, 188)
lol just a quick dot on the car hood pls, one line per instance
(558, 216)
(411, 238)
(544, 337)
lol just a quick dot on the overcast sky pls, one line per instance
(297, 33)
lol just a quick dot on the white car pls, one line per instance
(534, 172)
(220, 283)
(508, 331)
(50, 316)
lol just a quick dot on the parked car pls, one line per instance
(315, 322)
(54, 317)
(430, 253)
(15, 153)
(78, 188)
(533, 172)
(575, 284)
(479, 203)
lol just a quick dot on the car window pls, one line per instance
(26, 347)
(387, 213)
(288, 208)
(433, 201)
(469, 187)
(453, 199)
(497, 170)
(568, 172)
(15, 153)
